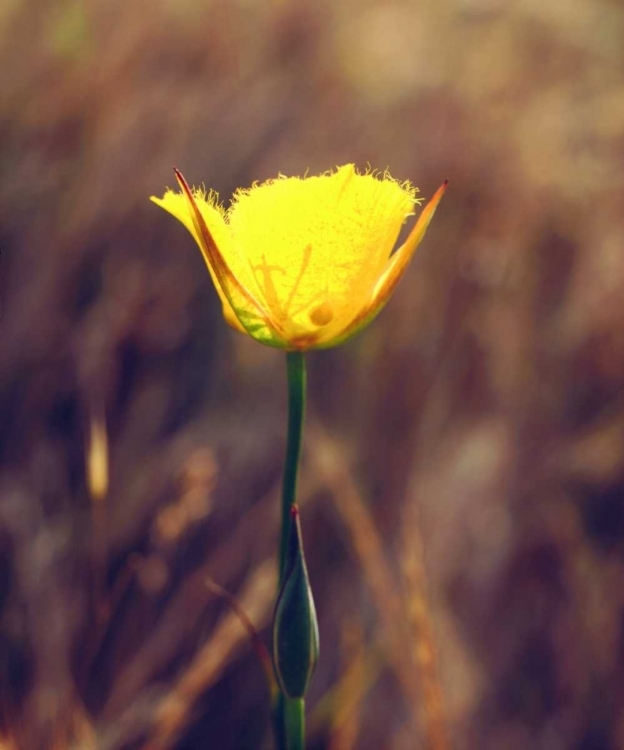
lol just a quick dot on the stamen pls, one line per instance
(267, 282)
(304, 264)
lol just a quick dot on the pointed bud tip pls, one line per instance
(294, 511)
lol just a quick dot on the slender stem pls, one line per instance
(295, 364)
(289, 713)
(289, 723)
(295, 722)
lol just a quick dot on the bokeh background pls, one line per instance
(462, 487)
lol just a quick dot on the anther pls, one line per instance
(322, 314)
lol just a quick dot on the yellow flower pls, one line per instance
(304, 263)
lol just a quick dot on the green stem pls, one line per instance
(295, 722)
(289, 716)
(289, 723)
(295, 364)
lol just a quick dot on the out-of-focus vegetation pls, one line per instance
(463, 477)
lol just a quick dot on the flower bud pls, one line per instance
(295, 628)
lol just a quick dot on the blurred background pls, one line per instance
(462, 486)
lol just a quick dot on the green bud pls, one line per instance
(295, 628)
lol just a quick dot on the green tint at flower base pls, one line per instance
(304, 263)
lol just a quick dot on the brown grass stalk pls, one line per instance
(422, 641)
(333, 470)
(174, 711)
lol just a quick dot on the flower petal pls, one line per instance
(395, 269)
(251, 315)
(318, 244)
(400, 260)
(177, 205)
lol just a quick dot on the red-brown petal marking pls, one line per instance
(226, 278)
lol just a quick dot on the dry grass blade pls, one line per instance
(97, 471)
(259, 647)
(173, 713)
(351, 689)
(332, 469)
(97, 462)
(72, 731)
(422, 642)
